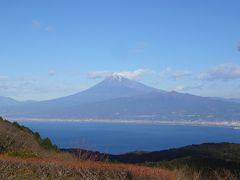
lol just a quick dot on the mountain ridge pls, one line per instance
(121, 98)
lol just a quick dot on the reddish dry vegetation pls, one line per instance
(22, 156)
(35, 168)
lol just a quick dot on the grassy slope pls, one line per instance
(14, 139)
(21, 141)
(65, 169)
(25, 155)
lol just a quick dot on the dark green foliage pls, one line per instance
(47, 144)
(137, 152)
(23, 128)
(205, 158)
(21, 153)
(2, 149)
(222, 151)
(37, 135)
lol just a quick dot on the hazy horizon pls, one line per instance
(105, 78)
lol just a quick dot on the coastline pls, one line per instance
(227, 124)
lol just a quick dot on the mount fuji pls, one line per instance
(117, 97)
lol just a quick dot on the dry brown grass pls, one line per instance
(11, 139)
(211, 174)
(14, 141)
(24, 158)
(42, 168)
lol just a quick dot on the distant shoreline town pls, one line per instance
(230, 124)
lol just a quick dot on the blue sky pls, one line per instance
(52, 48)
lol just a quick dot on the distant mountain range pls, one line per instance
(120, 98)
(6, 101)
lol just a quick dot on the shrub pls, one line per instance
(47, 144)
(21, 153)
(37, 135)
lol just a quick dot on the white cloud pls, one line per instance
(132, 74)
(182, 88)
(127, 74)
(174, 74)
(221, 72)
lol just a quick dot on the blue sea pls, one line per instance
(118, 138)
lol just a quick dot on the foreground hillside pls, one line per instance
(20, 140)
(205, 161)
(40, 168)
(25, 155)
(209, 161)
